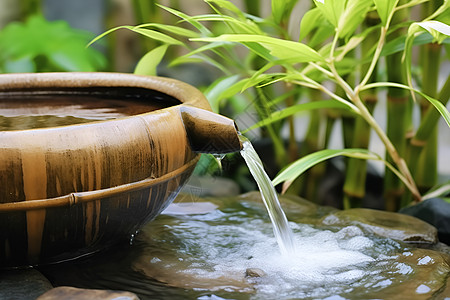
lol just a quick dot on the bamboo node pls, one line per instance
(418, 143)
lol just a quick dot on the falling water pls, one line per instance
(281, 229)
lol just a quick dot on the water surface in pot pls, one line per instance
(20, 110)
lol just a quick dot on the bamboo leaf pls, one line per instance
(187, 18)
(311, 20)
(148, 63)
(155, 35)
(227, 5)
(207, 47)
(398, 44)
(284, 113)
(322, 33)
(439, 106)
(98, 37)
(353, 42)
(331, 10)
(172, 29)
(294, 170)
(438, 191)
(441, 12)
(239, 26)
(436, 103)
(411, 4)
(146, 32)
(438, 30)
(215, 91)
(385, 9)
(281, 8)
(283, 49)
(353, 15)
(259, 50)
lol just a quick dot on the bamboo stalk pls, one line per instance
(426, 172)
(420, 139)
(356, 172)
(398, 111)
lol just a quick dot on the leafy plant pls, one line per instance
(331, 71)
(39, 46)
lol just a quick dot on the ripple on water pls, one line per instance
(326, 262)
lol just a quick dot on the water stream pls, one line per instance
(281, 229)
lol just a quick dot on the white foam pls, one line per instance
(423, 289)
(425, 260)
(321, 258)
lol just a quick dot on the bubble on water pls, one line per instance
(383, 284)
(425, 260)
(322, 257)
(404, 269)
(423, 289)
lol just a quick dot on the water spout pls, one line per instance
(209, 132)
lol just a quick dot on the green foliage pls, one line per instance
(291, 172)
(39, 46)
(287, 51)
(148, 63)
(334, 59)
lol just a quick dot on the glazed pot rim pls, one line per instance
(51, 82)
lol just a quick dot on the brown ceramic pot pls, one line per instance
(69, 190)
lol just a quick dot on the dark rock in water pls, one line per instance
(26, 284)
(71, 293)
(387, 224)
(434, 211)
(254, 272)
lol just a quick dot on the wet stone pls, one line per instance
(428, 271)
(23, 284)
(209, 186)
(71, 293)
(254, 272)
(386, 224)
(435, 211)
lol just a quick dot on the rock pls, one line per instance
(254, 272)
(418, 274)
(71, 293)
(23, 284)
(434, 211)
(209, 186)
(387, 224)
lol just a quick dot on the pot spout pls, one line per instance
(209, 132)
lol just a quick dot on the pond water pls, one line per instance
(203, 249)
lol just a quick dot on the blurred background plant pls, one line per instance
(304, 79)
(351, 52)
(37, 45)
(30, 43)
